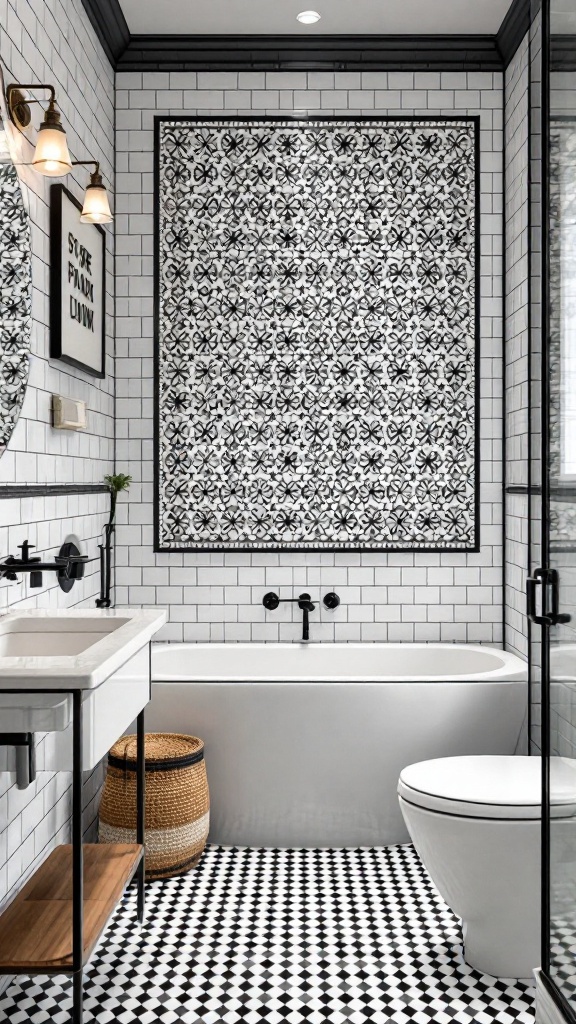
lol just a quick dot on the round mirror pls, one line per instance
(15, 288)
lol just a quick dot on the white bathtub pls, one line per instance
(305, 742)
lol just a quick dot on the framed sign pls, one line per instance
(77, 288)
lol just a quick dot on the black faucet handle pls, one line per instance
(71, 566)
(26, 548)
(75, 567)
(331, 600)
(270, 601)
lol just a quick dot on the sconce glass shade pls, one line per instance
(96, 208)
(51, 156)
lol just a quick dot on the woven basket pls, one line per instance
(177, 801)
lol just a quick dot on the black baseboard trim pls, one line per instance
(50, 490)
(127, 52)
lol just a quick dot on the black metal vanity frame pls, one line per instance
(77, 968)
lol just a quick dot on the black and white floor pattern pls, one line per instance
(563, 957)
(273, 936)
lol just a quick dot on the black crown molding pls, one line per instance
(513, 29)
(110, 25)
(317, 53)
(128, 52)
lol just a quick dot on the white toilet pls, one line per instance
(475, 823)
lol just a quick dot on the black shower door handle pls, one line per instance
(548, 580)
(536, 580)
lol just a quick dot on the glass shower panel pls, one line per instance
(536, 376)
(560, 465)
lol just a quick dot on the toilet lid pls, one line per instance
(489, 786)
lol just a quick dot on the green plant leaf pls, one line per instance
(118, 482)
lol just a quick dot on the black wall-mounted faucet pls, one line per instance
(305, 605)
(304, 602)
(68, 565)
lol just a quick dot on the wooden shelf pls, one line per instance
(36, 929)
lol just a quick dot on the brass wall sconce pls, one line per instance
(96, 208)
(51, 156)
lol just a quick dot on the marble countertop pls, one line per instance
(80, 671)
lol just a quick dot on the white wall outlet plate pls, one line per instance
(68, 413)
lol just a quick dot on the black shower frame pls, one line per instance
(549, 984)
(161, 119)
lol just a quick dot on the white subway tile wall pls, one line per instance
(54, 42)
(216, 597)
(516, 346)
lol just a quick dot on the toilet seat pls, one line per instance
(489, 786)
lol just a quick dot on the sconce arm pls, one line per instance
(19, 107)
(87, 163)
(18, 86)
(95, 177)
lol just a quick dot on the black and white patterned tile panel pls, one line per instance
(317, 287)
(273, 936)
(15, 295)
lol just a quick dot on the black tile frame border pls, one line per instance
(160, 119)
(50, 490)
(127, 52)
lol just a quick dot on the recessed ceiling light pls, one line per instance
(308, 17)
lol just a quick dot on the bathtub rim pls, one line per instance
(513, 668)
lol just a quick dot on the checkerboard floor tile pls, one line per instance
(274, 936)
(562, 943)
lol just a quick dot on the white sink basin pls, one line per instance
(77, 648)
(45, 637)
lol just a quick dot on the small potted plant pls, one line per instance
(116, 482)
